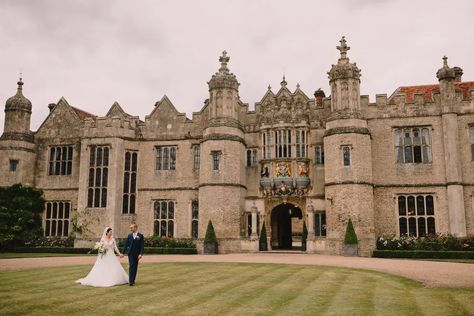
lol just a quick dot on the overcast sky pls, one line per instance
(96, 52)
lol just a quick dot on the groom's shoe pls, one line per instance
(132, 283)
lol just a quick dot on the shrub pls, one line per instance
(148, 250)
(156, 241)
(304, 236)
(423, 254)
(210, 237)
(439, 242)
(20, 214)
(50, 242)
(351, 237)
(262, 244)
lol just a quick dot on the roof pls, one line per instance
(83, 114)
(429, 89)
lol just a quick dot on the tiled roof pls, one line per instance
(429, 89)
(83, 114)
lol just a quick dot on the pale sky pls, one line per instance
(96, 52)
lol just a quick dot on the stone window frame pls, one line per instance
(56, 217)
(166, 157)
(283, 143)
(13, 165)
(471, 139)
(216, 160)
(418, 149)
(130, 172)
(195, 219)
(196, 157)
(267, 144)
(251, 157)
(319, 154)
(301, 143)
(411, 220)
(165, 222)
(320, 226)
(346, 153)
(60, 164)
(98, 176)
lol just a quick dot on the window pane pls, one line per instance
(420, 205)
(126, 184)
(417, 154)
(157, 210)
(249, 158)
(425, 136)
(171, 210)
(90, 197)
(164, 210)
(412, 226)
(398, 137)
(408, 154)
(104, 198)
(52, 153)
(127, 161)
(98, 174)
(403, 226)
(317, 224)
(407, 137)
(156, 229)
(92, 157)
(66, 228)
(431, 226)
(421, 227)
(67, 207)
(91, 177)
(57, 168)
(53, 228)
(158, 158)
(133, 183)
(134, 161)
(402, 209)
(48, 210)
(105, 177)
(429, 205)
(426, 154)
(194, 229)
(163, 229)
(60, 228)
(346, 155)
(166, 157)
(97, 197)
(399, 154)
(172, 158)
(132, 203)
(60, 210)
(125, 204)
(416, 137)
(69, 153)
(323, 224)
(69, 168)
(411, 205)
(47, 228)
(170, 228)
(106, 156)
(99, 157)
(55, 210)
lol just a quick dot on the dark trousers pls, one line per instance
(132, 268)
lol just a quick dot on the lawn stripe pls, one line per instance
(355, 296)
(436, 302)
(394, 298)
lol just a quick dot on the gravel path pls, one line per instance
(430, 273)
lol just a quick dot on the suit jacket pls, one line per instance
(134, 247)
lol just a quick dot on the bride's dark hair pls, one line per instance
(108, 229)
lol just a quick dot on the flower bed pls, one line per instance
(423, 254)
(440, 242)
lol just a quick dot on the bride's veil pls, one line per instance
(104, 234)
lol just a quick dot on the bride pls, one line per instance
(107, 270)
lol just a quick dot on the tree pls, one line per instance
(20, 214)
(304, 237)
(210, 240)
(351, 237)
(262, 244)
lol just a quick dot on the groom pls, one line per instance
(134, 245)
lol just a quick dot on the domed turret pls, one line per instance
(17, 116)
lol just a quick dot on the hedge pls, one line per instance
(423, 254)
(148, 250)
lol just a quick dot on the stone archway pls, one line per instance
(286, 226)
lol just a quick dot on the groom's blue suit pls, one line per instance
(135, 247)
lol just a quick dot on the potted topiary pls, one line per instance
(210, 240)
(262, 244)
(350, 241)
(304, 237)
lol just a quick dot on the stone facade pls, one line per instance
(403, 164)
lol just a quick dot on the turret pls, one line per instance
(17, 117)
(348, 163)
(17, 147)
(222, 172)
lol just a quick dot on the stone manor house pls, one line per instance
(401, 165)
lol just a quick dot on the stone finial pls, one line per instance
(20, 83)
(297, 86)
(445, 72)
(224, 59)
(343, 48)
(269, 87)
(283, 83)
(458, 73)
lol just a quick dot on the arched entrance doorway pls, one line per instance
(287, 227)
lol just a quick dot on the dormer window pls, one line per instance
(13, 165)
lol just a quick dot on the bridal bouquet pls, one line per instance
(100, 247)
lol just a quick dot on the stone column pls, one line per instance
(254, 234)
(310, 212)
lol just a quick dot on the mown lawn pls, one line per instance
(229, 289)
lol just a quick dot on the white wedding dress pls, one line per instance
(107, 270)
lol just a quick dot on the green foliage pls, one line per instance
(351, 237)
(210, 237)
(262, 245)
(440, 242)
(148, 250)
(50, 242)
(163, 242)
(423, 254)
(20, 214)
